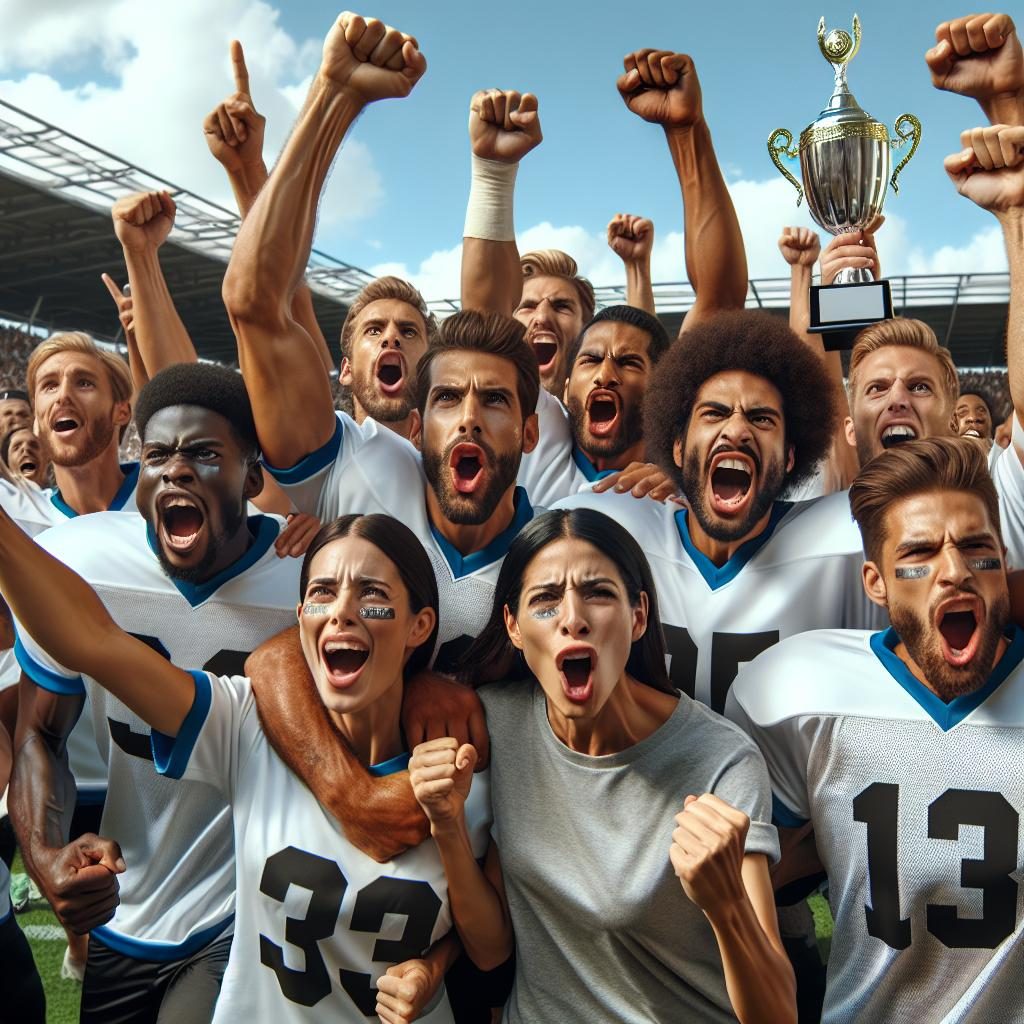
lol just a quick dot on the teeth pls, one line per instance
(179, 502)
(337, 645)
(899, 431)
(971, 433)
(734, 464)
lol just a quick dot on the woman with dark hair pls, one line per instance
(591, 759)
(367, 619)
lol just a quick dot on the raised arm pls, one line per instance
(363, 61)
(63, 615)
(980, 55)
(504, 126)
(126, 315)
(234, 131)
(142, 223)
(631, 238)
(662, 87)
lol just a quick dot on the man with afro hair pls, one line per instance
(198, 579)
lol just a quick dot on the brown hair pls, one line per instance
(78, 341)
(493, 333)
(385, 288)
(906, 333)
(913, 468)
(555, 263)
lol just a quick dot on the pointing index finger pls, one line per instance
(238, 68)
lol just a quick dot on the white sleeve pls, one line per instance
(308, 483)
(28, 506)
(208, 743)
(783, 743)
(1008, 476)
(43, 670)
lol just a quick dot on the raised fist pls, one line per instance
(503, 124)
(661, 87)
(707, 850)
(233, 129)
(989, 170)
(441, 773)
(80, 881)
(631, 238)
(978, 55)
(799, 246)
(854, 249)
(143, 220)
(125, 308)
(370, 60)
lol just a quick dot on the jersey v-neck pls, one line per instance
(124, 492)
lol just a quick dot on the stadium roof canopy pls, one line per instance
(56, 239)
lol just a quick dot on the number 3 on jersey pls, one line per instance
(878, 808)
(414, 900)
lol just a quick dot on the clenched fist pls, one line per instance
(405, 990)
(503, 124)
(978, 55)
(370, 60)
(80, 881)
(631, 238)
(441, 773)
(144, 220)
(989, 170)
(662, 87)
(707, 851)
(799, 246)
(234, 129)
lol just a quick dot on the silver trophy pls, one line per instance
(844, 162)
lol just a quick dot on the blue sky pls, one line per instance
(137, 78)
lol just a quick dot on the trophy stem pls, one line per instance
(854, 275)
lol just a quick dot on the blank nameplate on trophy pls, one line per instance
(846, 308)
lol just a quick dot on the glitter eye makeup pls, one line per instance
(315, 609)
(912, 572)
(982, 564)
(376, 611)
(546, 613)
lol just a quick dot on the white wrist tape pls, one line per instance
(489, 211)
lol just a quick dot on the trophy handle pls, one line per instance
(778, 151)
(903, 123)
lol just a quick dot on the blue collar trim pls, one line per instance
(945, 715)
(124, 492)
(717, 576)
(264, 531)
(463, 565)
(587, 468)
(398, 763)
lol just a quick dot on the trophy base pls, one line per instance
(839, 311)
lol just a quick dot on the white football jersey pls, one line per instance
(317, 920)
(123, 501)
(916, 806)
(1008, 476)
(370, 469)
(178, 891)
(28, 505)
(802, 572)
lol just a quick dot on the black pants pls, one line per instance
(121, 990)
(23, 999)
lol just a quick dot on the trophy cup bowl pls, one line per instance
(844, 165)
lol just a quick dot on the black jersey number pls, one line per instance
(878, 808)
(137, 744)
(414, 900)
(728, 652)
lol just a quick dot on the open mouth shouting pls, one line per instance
(603, 412)
(545, 347)
(957, 621)
(897, 433)
(27, 467)
(576, 668)
(182, 522)
(731, 482)
(466, 463)
(344, 656)
(390, 373)
(64, 425)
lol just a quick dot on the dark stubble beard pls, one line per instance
(925, 647)
(376, 405)
(99, 435)
(470, 510)
(695, 478)
(233, 520)
(630, 432)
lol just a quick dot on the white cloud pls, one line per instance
(166, 72)
(984, 253)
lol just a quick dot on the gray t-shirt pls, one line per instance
(604, 931)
